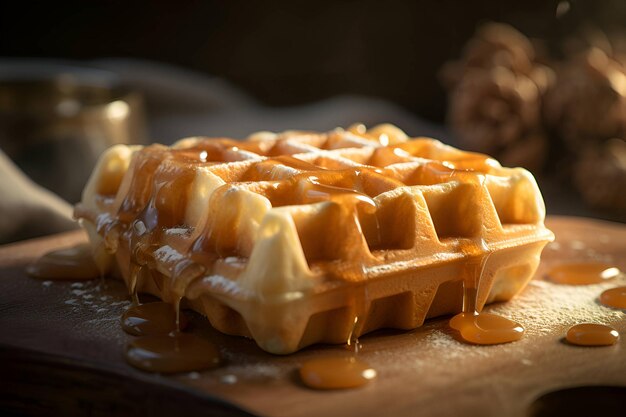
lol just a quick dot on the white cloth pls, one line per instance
(26, 209)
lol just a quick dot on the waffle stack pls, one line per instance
(302, 237)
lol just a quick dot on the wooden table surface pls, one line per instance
(61, 350)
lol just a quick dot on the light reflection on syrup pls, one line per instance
(75, 263)
(336, 372)
(150, 319)
(582, 273)
(177, 352)
(592, 334)
(614, 297)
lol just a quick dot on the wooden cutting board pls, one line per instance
(61, 350)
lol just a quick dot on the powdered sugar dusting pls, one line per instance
(88, 296)
(545, 307)
(222, 284)
(178, 231)
(234, 260)
(167, 254)
(449, 347)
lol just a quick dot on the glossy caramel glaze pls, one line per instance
(591, 334)
(74, 263)
(582, 273)
(336, 372)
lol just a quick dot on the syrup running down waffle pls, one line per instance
(302, 237)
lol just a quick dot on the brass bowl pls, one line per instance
(56, 119)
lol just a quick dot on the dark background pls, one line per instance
(292, 52)
(288, 53)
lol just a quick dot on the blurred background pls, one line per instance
(537, 83)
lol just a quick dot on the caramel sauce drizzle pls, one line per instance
(74, 263)
(474, 326)
(154, 203)
(582, 273)
(591, 334)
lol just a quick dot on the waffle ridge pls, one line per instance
(303, 237)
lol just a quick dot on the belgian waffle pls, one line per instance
(302, 237)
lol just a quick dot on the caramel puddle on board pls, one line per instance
(338, 371)
(150, 319)
(75, 263)
(614, 297)
(591, 334)
(177, 352)
(477, 327)
(161, 347)
(486, 329)
(582, 273)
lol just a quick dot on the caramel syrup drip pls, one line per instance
(135, 272)
(336, 372)
(151, 319)
(178, 352)
(161, 347)
(178, 318)
(74, 263)
(591, 334)
(360, 302)
(582, 273)
(614, 297)
(353, 337)
(140, 191)
(164, 209)
(476, 327)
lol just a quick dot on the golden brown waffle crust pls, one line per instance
(288, 238)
